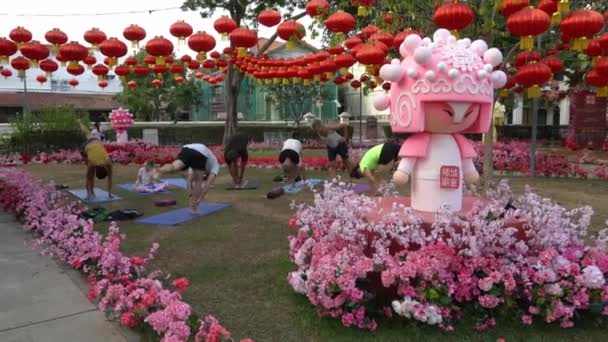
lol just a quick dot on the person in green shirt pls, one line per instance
(378, 160)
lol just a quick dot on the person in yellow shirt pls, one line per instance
(377, 161)
(98, 162)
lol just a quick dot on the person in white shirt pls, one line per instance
(147, 179)
(205, 169)
(96, 132)
(290, 159)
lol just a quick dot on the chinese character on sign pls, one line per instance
(449, 177)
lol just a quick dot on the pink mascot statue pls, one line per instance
(121, 120)
(441, 89)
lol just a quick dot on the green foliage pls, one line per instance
(293, 99)
(166, 102)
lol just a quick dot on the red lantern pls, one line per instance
(94, 37)
(103, 84)
(386, 86)
(59, 57)
(593, 48)
(208, 64)
(49, 66)
(179, 80)
(527, 23)
(73, 52)
(75, 69)
(555, 64)
(201, 42)
(512, 6)
(41, 78)
(73, 82)
(132, 84)
(335, 50)
(344, 61)
(315, 8)
(602, 40)
(20, 35)
(7, 49)
(340, 23)
(454, 16)
(159, 70)
(141, 70)
(350, 43)
(291, 31)
(243, 39)
(89, 61)
(122, 71)
(383, 37)
(362, 6)
(371, 54)
(400, 37)
(101, 71)
(150, 60)
(602, 66)
(34, 51)
(194, 65)
(56, 37)
(368, 31)
(177, 68)
(599, 81)
(356, 84)
(156, 83)
(580, 26)
(532, 76)
(548, 6)
(131, 61)
(134, 34)
(113, 48)
(6, 73)
(185, 59)
(21, 64)
(159, 47)
(180, 30)
(526, 57)
(269, 17)
(224, 26)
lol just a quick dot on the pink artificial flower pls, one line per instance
(526, 319)
(489, 301)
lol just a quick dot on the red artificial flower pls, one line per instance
(137, 260)
(293, 222)
(129, 320)
(181, 284)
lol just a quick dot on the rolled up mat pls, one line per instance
(165, 202)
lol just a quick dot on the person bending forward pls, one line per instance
(98, 162)
(236, 149)
(379, 160)
(290, 159)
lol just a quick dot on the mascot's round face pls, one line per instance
(450, 117)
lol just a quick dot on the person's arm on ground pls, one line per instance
(109, 168)
(302, 172)
(205, 189)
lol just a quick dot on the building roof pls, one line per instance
(276, 45)
(38, 100)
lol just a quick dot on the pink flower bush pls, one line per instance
(525, 254)
(121, 286)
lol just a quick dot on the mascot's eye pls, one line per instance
(448, 112)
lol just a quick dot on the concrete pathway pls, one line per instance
(41, 301)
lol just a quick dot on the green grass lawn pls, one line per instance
(237, 262)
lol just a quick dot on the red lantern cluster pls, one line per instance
(454, 16)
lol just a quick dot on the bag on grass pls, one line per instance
(123, 215)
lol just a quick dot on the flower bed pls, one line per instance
(122, 285)
(356, 270)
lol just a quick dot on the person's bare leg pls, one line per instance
(332, 170)
(197, 185)
(176, 166)
(234, 173)
(90, 182)
(348, 166)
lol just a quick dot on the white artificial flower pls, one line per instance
(593, 277)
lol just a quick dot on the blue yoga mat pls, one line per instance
(299, 186)
(101, 196)
(129, 187)
(175, 217)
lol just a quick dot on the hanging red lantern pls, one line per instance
(602, 66)
(201, 42)
(368, 31)
(340, 23)
(550, 7)
(89, 60)
(344, 61)
(555, 64)
(512, 6)
(107, 61)
(400, 37)
(100, 70)
(215, 55)
(7, 49)
(208, 64)
(75, 69)
(134, 34)
(527, 23)
(21, 64)
(141, 70)
(593, 49)
(386, 86)
(224, 26)
(34, 51)
(581, 25)
(156, 83)
(49, 66)
(177, 69)
(194, 65)
(122, 71)
(185, 59)
(362, 6)
(352, 42)
(269, 17)
(73, 52)
(159, 47)
(532, 76)
(356, 84)
(20, 35)
(180, 30)
(41, 79)
(131, 61)
(150, 60)
(114, 49)
(372, 55)
(383, 37)
(94, 37)
(316, 8)
(73, 82)
(6, 73)
(454, 16)
(103, 84)
(291, 31)
(159, 70)
(179, 80)
(598, 81)
(243, 39)
(602, 41)
(59, 57)
(56, 37)
(335, 50)
(526, 57)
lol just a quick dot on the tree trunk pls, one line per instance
(232, 87)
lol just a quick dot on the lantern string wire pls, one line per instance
(149, 11)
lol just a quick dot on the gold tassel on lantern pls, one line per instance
(241, 52)
(362, 11)
(534, 91)
(556, 18)
(318, 78)
(526, 43)
(306, 82)
(498, 4)
(295, 80)
(602, 91)
(343, 71)
(268, 81)
(285, 81)
(504, 93)
(291, 44)
(201, 56)
(580, 44)
(456, 33)
(563, 6)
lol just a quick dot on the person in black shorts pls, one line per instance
(236, 149)
(337, 144)
(290, 159)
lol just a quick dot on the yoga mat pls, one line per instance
(359, 188)
(179, 182)
(175, 217)
(129, 187)
(299, 186)
(251, 185)
(101, 196)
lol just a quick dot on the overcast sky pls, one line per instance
(21, 13)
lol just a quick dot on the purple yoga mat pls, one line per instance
(179, 216)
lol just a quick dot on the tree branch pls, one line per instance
(275, 35)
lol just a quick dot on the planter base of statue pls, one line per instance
(122, 137)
